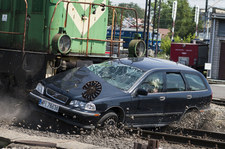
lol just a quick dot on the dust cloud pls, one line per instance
(212, 120)
(12, 109)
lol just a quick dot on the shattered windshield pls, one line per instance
(117, 74)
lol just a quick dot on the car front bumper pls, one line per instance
(75, 117)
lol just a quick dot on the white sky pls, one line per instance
(200, 3)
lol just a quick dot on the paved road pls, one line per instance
(218, 90)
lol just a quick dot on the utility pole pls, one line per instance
(158, 24)
(153, 28)
(196, 20)
(206, 16)
(174, 14)
(147, 20)
(207, 30)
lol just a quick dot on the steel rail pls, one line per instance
(25, 26)
(114, 41)
(218, 102)
(198, 133)
(88, 33)
(121, 18)
(36, 143)
(12, 33)
(181, 139)
(114, 33)
(112, 28)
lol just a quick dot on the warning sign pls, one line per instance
(4, 17)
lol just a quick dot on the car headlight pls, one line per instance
(62, 43)
(86, 106)
(90, 107)
(77, 104)
(74, 103)
(40, 88)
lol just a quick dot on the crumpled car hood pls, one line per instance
(71, 82)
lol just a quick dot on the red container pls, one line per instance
(193, 55)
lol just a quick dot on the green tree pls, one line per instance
(166, 44)
(128, 13)
(185, 24)
(165, 15)
(189, 38)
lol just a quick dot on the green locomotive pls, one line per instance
(42, 37)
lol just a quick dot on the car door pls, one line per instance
(147, 110)
(201, 95)
(177, 96)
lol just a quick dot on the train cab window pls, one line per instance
(195, 82)
(153, 83)
(174, 82)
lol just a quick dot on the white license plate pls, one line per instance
(48, 105)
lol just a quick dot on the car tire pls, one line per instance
(109, 119)
(190, 119)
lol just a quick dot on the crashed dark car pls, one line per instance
(138, 92)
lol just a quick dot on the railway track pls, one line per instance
(195, 137)
(200, 138)
(219, 101)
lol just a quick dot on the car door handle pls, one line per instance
(189, 96)
(162, 98)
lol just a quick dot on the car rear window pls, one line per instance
(195, 82)
(174, 82)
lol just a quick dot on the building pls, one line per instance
(163, 32)
(217, 45)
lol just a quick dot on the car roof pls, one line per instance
(147, 63)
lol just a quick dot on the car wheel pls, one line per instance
(190, 119)
(109, 119)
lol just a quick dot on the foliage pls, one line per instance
(189, 38)
(165, 15)
(163, 56)
(166, 44)
(185, 24)
(177, 39)
(126, 13)
(184, 27)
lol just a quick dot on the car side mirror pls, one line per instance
(141, 91)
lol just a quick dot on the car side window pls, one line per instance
(195, 82)
(174, 82)
(153, 83)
